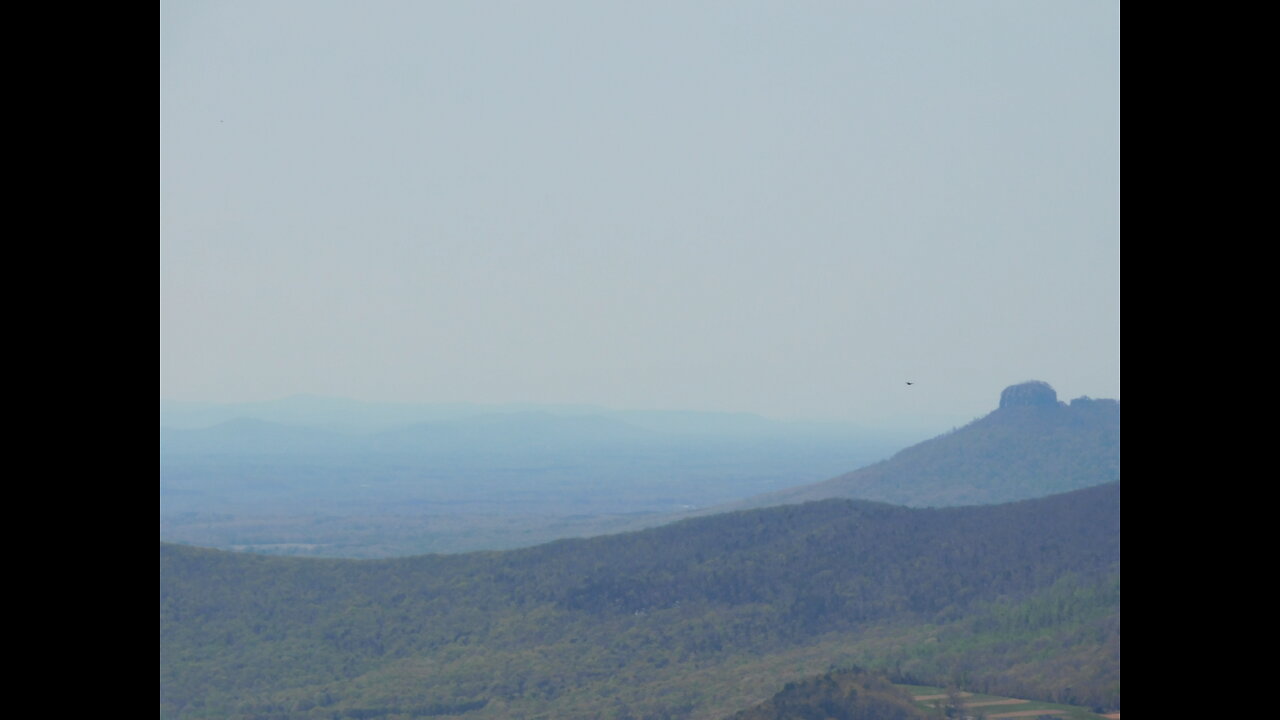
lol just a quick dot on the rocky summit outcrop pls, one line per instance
(1033, 393)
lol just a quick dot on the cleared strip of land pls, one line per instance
(944, 696)
(995, 702)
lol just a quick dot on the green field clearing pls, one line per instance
(992, 707)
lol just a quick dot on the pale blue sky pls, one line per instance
(777, 207)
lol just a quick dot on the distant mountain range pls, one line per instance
(312, 455)
(694, 619)
(1031, 446)
(354, 417)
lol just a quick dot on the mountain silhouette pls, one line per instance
(1032, 445)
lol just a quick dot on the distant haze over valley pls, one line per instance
(311, 475)
(327, 476)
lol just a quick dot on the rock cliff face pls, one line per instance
(1034, 393)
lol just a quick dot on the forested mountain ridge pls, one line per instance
(657, 623)
(1032, 445)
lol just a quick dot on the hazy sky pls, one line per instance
(789, 208)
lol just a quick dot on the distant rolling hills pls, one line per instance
(499, 462)
(332, 478)
(698, 618)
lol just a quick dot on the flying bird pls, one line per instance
(910, 383)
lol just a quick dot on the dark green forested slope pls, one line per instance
(839, 695)
(1031, 446)
(695, 619)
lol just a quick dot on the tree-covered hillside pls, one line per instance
(667, 622)
(839, 695)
